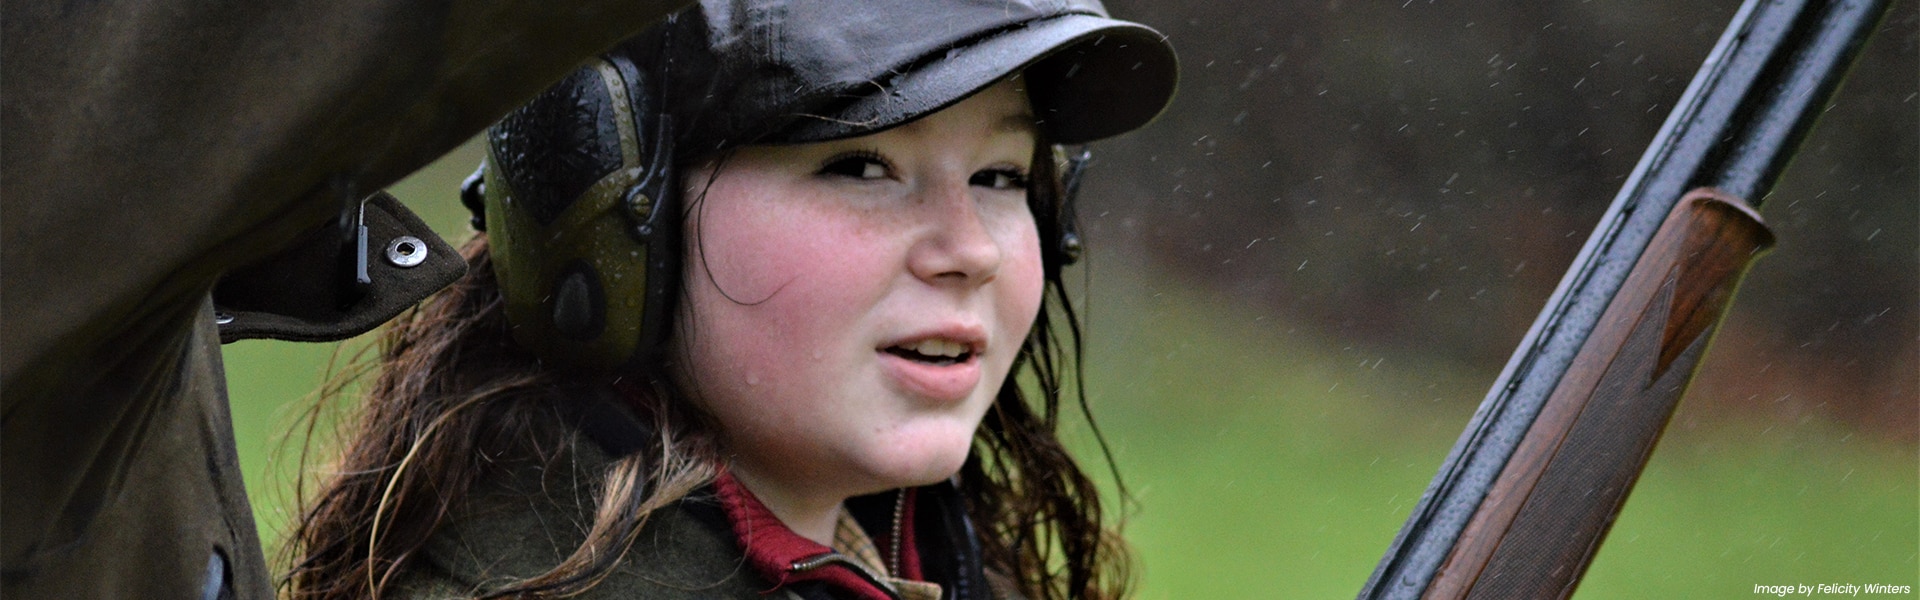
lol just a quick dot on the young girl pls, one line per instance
(750, 315)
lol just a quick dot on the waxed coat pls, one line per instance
(147, 149)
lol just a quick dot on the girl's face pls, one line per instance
(852, 307)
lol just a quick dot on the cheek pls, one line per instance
(1022, 278)
(768, 281)
(756, 247)
(747, 255)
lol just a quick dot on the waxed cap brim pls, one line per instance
(1089, 78)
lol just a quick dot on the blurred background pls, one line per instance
(1303, 278)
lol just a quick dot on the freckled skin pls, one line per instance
(803, 266)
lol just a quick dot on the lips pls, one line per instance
(941, 365)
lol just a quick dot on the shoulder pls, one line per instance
(523, 524)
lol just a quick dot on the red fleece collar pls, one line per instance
(773, 550)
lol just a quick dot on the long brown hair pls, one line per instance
(455, 398)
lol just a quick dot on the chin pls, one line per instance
(920, 464)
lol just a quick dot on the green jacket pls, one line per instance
(532, 514)
(526, 522)
(148, 148)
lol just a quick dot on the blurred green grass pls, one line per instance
(1268, 463)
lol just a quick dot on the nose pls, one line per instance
(956, 244)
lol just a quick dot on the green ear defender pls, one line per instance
(580, 213)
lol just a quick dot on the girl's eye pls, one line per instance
(1000, 179)
(857, 165)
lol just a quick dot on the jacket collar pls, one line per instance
(784, 557)
(936, 543)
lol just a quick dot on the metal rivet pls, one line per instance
(1070, 248)
(640, 204)
(406, 251)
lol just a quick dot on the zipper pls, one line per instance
(828, 558)
(899, 515)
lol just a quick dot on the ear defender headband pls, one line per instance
(580, 210)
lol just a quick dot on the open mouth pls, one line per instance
(935, 351)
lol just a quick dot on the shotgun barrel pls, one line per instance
(1525, 497)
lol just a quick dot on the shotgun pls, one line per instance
(1524, 500)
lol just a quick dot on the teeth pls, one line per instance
(939, 347)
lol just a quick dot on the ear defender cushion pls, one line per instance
(566, 243)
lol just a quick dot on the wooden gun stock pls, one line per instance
(1608, 410)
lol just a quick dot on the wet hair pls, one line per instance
(455, 399)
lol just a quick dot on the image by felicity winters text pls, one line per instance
(1830, 589)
